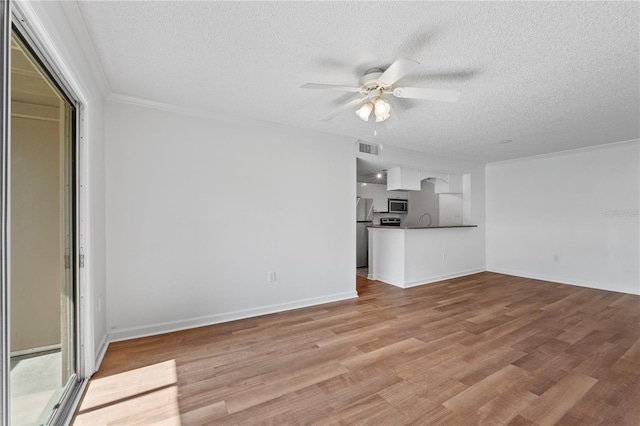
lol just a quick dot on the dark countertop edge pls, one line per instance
(404, 228)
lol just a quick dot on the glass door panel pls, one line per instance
(42, 277)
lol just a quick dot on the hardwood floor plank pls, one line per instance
(554, 403)
(371, 407)
(501, 409)
(257, 395)
(160, 406)
(493, 362)
(550, 373)
(361, 335)
(310, 402)
(137, 382)
(211, 412)
(633, 353)
(480, 393)
(349, 388)
(485, 349)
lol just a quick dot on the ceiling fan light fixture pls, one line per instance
(382, 109)
(381, 119)
(365, 111)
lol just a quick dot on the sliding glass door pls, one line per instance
(5, 36)
(40, 246)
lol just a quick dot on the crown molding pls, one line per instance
(565, 152)
(84, 38)
(245, 122)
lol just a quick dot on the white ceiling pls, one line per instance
(550, 76)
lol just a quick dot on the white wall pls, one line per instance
(450, 209)
(570, 217)
(421, 202)
(67, 43)
(200, 210)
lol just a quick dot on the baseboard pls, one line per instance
(167, 327)
(427, 280)
(430, 280)
(104, 344)
(32, 351)
(388, 280)
(559, 280)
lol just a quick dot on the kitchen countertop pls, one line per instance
(421, 227)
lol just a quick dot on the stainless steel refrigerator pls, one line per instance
(364, 218)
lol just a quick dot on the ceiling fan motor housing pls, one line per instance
(369, 81)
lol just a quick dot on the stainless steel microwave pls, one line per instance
(397, 205)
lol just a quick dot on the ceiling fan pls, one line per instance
(375, 84)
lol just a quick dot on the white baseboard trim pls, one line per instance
(31, 351)
(167, 327)
(449, 276)
(102, 349)
(427, 280)
(559, 280)
(388, 280)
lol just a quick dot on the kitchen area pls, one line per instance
(410, 224)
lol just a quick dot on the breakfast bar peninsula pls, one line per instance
(414, 255)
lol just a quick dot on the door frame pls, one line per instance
(5, 49)
(22, 17)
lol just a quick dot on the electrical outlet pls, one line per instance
(271, 277)
(444, 255)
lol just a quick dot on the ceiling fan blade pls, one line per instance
(330, 87)
(343, 108)
(397, 70)
(392, 121)
(442, 95)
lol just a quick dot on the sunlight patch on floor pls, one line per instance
(141, 395)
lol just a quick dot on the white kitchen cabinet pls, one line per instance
(400, 178)
(397, 194)
(452, 185)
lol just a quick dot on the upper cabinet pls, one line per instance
(403, 179)
(452, 185)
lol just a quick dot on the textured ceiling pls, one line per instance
(548, 76)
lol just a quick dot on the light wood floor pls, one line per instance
(483, 349)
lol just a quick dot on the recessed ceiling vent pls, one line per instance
(368, 149)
